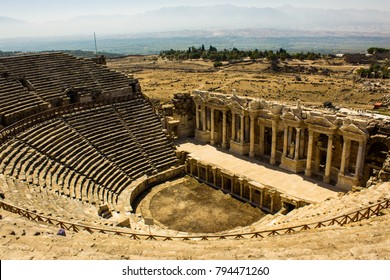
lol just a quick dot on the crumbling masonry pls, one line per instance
(340, 147)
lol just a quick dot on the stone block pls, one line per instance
(202, 136)
(292, 165)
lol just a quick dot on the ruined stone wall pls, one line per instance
(179, 117)
(259, 195)
(328, 143)
(145, 183)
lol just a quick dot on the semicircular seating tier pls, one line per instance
(91, 155)
(33, 82)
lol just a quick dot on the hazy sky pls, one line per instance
(46, 10)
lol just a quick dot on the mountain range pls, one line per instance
(223, 26)
(209, 18)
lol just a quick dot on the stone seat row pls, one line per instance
(116, 145)
(342, 205)
(91, 155)
(45, 202)
(150, 136)
(16, 99)
(87, 164)
(51, 74)
(317, 212)
(35, 168)
(146, 132)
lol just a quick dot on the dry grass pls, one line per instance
(161, 79)
(195, 207)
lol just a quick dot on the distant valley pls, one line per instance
(223, 26)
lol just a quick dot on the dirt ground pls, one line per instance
(313, 82)
(194, 207)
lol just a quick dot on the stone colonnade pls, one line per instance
(266, 198)
(299, 140)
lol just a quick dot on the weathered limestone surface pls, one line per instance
(367, 240)
(344, 148)
(67, 165)
(277, 178)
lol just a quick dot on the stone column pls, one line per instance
(233, 126)
(197, 117)
(261, 198)
(302, 144)
(247, 129)
(297, 143)
(187, 166)
(329, 153)
(359, 160)
(222, 182)
(285, 142)
(242, 129)
(208, 118)
(212, 141)
(250, 194)
(224, 130)
(241, 187)
(290, 132)
(252, 137)
(272, 195)
(262, 137)
(214, 175)
(204, 121)
(191, 168)
(273, 146)
(345, 155)
(207, 174)
(231, 185)
(309, 153)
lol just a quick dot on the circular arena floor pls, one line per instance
(187, 205)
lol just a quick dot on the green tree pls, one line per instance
(217, 64)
